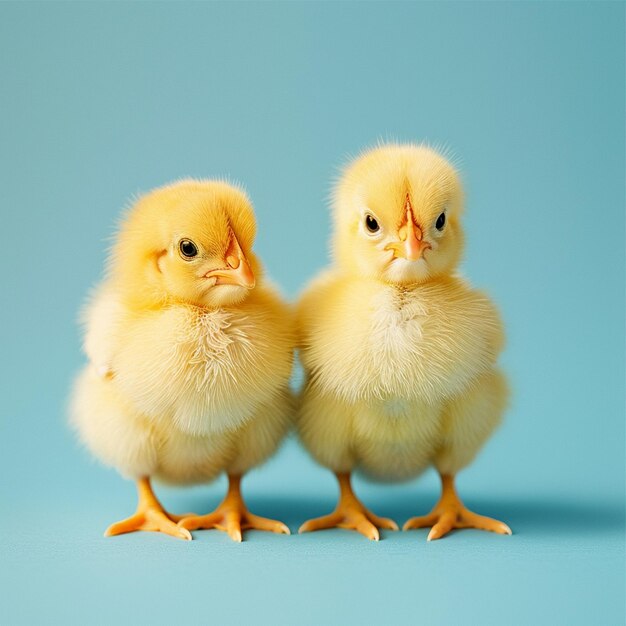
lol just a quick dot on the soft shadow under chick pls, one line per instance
(190, 354)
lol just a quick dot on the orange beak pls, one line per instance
(237, 270)
(411, 245)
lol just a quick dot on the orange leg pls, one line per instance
(350, 513)
(150, 515)
(450, 513)
(232, 516)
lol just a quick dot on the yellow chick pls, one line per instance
(190, 355)
(399, 352)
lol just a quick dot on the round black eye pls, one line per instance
(187, 248)
(371, 224)
(441, 222)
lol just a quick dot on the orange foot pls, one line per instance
(451, 513)
(150, 515)
(351, 514)
(232, 516)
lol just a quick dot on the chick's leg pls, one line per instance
(468, 421)
(150, 515)
(450, 513)
(351, 514)
(233, 516)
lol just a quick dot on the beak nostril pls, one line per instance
(232, 261)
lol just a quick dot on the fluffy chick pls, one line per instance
(190, 354)
(399, 352)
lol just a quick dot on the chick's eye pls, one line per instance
(188, 249)
(371, 224)
(441, 222)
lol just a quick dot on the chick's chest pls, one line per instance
(205, 367)
(224, 345)
(407, 343)
(397, 328)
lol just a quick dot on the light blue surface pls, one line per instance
(99, 102)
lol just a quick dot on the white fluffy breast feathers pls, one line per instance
(375, 343)
(203, 371)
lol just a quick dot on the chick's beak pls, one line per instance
(237, 270)
(411, 245)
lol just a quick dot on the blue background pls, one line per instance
(99, 102)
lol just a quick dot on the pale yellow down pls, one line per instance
(399, 355)
(186, 379)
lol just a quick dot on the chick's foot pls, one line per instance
(450, 513)
(232, 516)
(150, 516)
(350, 514)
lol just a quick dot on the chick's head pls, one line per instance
(188, 242)
(397, 210)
